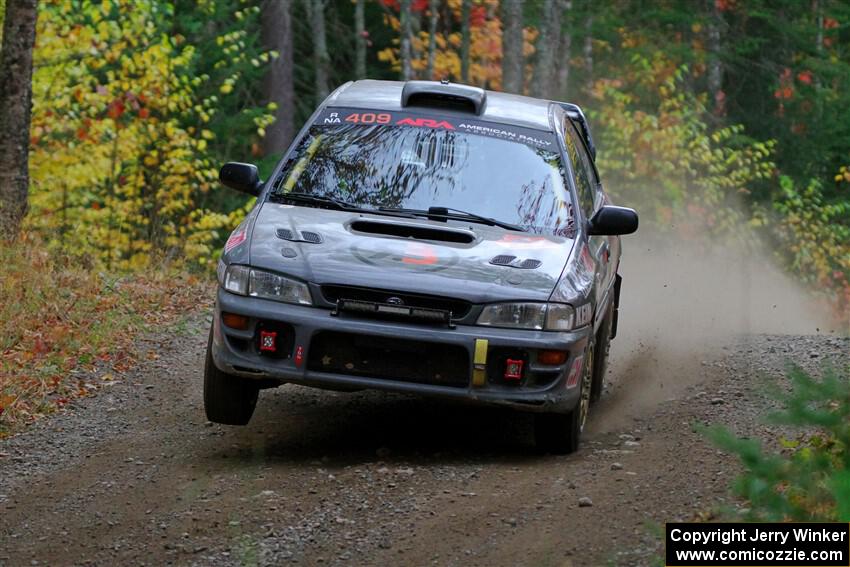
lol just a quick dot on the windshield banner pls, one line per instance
(336, 116)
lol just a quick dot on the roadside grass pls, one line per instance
(65, 329)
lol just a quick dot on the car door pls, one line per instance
(591, 197)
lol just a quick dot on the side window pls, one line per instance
(585, 178)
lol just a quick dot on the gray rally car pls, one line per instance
(429, 238)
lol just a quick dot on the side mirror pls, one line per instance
(244, 177)
(610, 220)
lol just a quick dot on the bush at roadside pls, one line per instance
(65, 329)
(810, 480)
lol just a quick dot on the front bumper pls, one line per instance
(542, 388)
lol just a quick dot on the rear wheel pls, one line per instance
(228, 399)
(560, 433)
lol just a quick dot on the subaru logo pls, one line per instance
(395, 300)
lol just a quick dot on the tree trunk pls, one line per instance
(547, 46)
(279, 83)
(406, 32)
(433, 9)
(15, 111)
(715, 65)
(817, 8)
(564, 54)
(466, 40)
(588, 51)
(359, 40)
(316, 11)
(512, 43)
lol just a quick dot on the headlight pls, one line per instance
(535, 316)
(243, 280)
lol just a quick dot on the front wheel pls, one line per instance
(600, 363)
(560, 433)
(228, 399)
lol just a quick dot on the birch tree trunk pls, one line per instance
(433, 9)
(406, 32)
(279, 83)
(466, 39)
(359, 40)
(588, 51)
(316, 11)
(15, 112)
(547, 46)
(564, 53)
(715, 64)
(512, 43)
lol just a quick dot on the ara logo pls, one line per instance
(426, 122)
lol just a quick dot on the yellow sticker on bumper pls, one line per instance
(479, 368)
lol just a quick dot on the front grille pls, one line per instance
(389, 359)
(458, 307)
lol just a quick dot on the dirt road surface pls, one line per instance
(135, 475)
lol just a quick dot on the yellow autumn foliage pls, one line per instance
(119, 159)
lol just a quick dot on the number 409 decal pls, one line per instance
(369, 118)
(385, 118)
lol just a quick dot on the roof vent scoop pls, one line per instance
(444, 95)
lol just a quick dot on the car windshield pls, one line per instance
(389, 166)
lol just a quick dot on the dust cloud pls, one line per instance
(682, 303)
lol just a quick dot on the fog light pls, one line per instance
(513, 369)
(552, 357)
(235, 321)
(268, 341)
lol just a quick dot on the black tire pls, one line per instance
(228, 399)
(600, 361)
(560, 433)
(557, 433)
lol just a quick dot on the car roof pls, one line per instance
(500, 107)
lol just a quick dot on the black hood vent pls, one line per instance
(311, 237)
(514, 262)
(306, 236)
(417, 231)
(529, 264)
(502, 260)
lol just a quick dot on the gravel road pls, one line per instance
(136, 476)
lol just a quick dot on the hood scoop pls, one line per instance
(514, 262)
(305, 236)
(413, 230)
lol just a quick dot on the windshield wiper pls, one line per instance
(328, 201)
(455, 214)
(311, 199)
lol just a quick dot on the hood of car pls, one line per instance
(473, 262)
